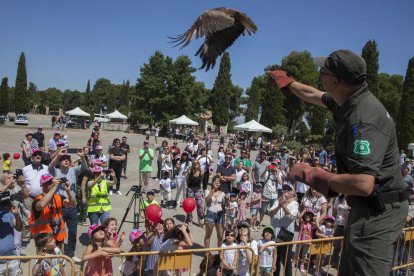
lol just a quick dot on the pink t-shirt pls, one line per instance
(305, 231)
(256, 196)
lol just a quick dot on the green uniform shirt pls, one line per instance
(145, 164)
(366, 140)
(246, 162)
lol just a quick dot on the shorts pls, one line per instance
(230, 220)
(254, 211)
(265, 269)
(266, 205)
(216, 218)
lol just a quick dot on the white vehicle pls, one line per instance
(21, 119)
(101, 118)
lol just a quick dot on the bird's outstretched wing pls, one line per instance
(221, 27)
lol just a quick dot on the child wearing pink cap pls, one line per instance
(132, 263)
(96, 253)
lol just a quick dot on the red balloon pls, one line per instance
(153, 213)
(189, 204)
(16, 156)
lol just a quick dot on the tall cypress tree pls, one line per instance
(4, 96)
(219, 97)
(21, 97)
(87, 97)
(272, 106)
(253, 101)
(405, 123)
(371, 56)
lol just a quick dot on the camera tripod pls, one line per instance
(136, 197)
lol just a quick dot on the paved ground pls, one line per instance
(11, 137)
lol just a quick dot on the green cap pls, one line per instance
(270, 228)
(347, 65)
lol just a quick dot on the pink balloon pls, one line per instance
(153, 212)
(189, 204)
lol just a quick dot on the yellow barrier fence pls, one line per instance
(317, 256)
(180, 261)
(70, 267)
(403, 259)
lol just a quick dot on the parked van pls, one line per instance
(101, 118)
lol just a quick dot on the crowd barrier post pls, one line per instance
(319, 249)
(28, 270)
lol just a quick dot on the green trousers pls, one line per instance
(370, 237)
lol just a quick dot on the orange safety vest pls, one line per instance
(41, 224)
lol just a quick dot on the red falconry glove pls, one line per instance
(316, 178)
(280, 78)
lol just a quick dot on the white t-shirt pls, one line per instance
(314, 203)
(243, 267)
(229, 255)
(215, 205)
(341, 211)
(231, 212)
(204, 160)
(326, 231)
(166, 163)
(184, 168)
(239, 175)
(281, 220)
(165, 184)
(246, 186)
(266, 259)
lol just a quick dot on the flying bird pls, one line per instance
(221, 27)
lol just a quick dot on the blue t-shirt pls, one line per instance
(322, 157)
(7, 247)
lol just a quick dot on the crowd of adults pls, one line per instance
(233, 191)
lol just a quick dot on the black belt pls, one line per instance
(395, 196)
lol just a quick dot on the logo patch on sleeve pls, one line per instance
(361, 147)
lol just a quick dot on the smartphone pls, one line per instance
(72, 150)
(106, 171)
(19, 172)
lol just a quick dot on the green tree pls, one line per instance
(219, 97)
(103, 95)
(32, 92)
(21, 104)
(300, 66)
(254, 93)
(405, 123)
(371, 56)
(86, 98)
(272, 106)
(50, 98)
(389, 92)
(71, 99)
(235, 99)
(151, 97)
(4, 96)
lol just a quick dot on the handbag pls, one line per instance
(285, 235)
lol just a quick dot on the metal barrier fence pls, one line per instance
(178, 261)
(9, 263)
(403, 259)
(313, 254)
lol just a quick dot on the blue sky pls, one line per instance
(68, 42)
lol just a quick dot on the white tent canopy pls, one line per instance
(183, 120)
(253, 126)
(116, 115)
(77, 112)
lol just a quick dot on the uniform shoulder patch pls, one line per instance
(361, 147)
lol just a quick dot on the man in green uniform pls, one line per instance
(367, 158)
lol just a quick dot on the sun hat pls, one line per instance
(36, 150)
(95, 227)
(96, 169)
(29, 133)
(45, 178)
(330, 218)
(272, 167)
(98, 147)
(135, 234)
(39, 127)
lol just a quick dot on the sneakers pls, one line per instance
(110, 192)
(118, 192)
(76, 260)
(302, 268)
(156, 179)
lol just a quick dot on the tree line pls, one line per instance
(166, 88)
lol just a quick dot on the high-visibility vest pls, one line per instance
(41, 224)
(98, 200)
